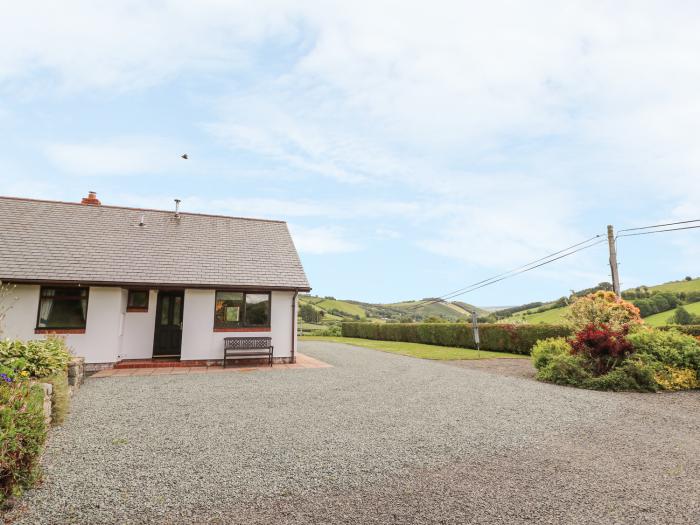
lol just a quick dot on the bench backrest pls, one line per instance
(247, 343)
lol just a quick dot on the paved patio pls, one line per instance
(302, 361)
(376, 438)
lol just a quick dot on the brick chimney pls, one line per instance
(91, 199)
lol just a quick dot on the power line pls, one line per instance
(656, 226)
(659, 231)
(517, 271)
(447, 295)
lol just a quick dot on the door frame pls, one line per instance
(157, 324)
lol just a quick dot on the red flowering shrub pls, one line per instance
(603, 347)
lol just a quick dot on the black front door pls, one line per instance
(168, 333)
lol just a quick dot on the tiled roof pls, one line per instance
(59, 241)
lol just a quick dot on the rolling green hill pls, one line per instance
(348, 310)
(677, 286)
(556, 315)
(664, 317)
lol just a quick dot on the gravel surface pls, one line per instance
(378, 438)
(501, 366)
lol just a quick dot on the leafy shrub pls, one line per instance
(603, 348)
(684, 317)
(632, 374)
(672, 378)
(330, 331)
(693, 329)
(601, 359)
(22, 434)
(517, 339)
(546, 349)
(602, 308)
(669, 347)
(39, 358)
(564, 369)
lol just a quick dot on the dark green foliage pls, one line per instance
(507, 312)
(656, 302)
(310, 314)
(22, 435)
(684, 317)
(516, 339)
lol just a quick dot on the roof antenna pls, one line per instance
(177, 208)
(142, 220)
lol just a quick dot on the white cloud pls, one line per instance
(121, 156)
(322, 240)
(500, 125)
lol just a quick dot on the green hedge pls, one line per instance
(22, 435)
(513, 338)
(690, 329)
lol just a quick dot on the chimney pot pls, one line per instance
(91, 199)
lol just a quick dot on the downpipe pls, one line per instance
(294, 322)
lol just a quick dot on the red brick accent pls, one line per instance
(59, 331)
(137, 308)
(91, 199)
(267, 329)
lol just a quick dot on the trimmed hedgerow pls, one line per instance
(513, 338)
(22, 434)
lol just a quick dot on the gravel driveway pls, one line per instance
(378, 438)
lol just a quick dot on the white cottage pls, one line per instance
(126, 283)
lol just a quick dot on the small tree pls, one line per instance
(682, 316)
(603, 309)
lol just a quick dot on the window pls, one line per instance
(137, 301)
(62, 308)
(242, 310)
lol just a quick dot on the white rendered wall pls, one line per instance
(101, 340)
(200, 341)
(139, 328)
(112, 334)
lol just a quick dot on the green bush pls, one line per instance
(657, 360)
(22, 435)
(564, 369)
(39, 358)
(669, 347)
(517, 339)
(546, 349)
(632, 374)
(691, 329)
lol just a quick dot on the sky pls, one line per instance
(413, 147)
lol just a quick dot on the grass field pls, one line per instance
(438, 353)
(663, 318)
(678, 286)
(334, 304)
(554, 316)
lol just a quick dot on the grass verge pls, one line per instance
(422, 351)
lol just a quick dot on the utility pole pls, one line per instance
(613, 260)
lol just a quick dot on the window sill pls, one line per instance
(136, 309)
(59, 331)
(252, 329)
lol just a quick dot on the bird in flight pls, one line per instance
(184, 156)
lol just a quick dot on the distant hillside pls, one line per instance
(417, 310)
(556, 315)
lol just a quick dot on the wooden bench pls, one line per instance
(248, 348)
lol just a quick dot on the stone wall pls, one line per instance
(76, 373)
